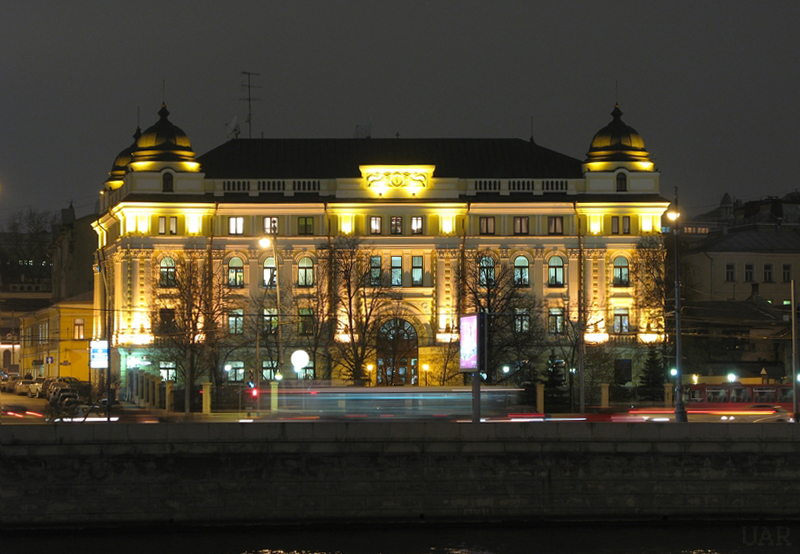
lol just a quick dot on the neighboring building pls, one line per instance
(72, 256)
(753, 243)
(569, 229)
(55, 339)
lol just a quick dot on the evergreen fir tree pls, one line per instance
(652, 379)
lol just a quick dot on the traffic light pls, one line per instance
(251, 379)
(254, 392)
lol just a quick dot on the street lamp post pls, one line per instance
(264, 243)
(426, 368)
(680, 408)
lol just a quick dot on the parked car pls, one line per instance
(55, 390)
(3, 381)
(42, 388)
(36, 387)
(67, 397)
(23, 386)
(11, 383)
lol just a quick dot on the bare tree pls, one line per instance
(361, 293)
(515, 330)
(187, 312)
(24, 250)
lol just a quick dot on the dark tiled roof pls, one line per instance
(340, 158)
(753, 240)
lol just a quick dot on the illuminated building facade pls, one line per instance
(569, 227)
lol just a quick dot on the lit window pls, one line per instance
(621, 320)
(270, 273)
(520, 225)
(521, 265)
(416, 225)
(271, 225)
(621, 275)
(375, 225)
(375, 271)
(397, 271)
(167, 272)
(173, 225)
(487, 225)
(555, 321)
(555, 225)
(614, 224)
(235, 225)
(236, 322)
(626, 225)
(416, 271)
(522, 320)
(235, 371)
(78, 329)
(162, 225)
(306, 321)
(168, 371)
(305, 272)
(397, 225)
(555, 272)
(236, 272)
(486, 271)
(270, 320)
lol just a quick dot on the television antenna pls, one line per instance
(249, 86)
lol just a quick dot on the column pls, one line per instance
(206, 398)
(168, 398)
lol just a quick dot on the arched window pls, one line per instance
(555, 272)
(305, 272)
(236, 272)
(521, 278)
(270, 274)
(622, 182)
(167, 272)
(621, 274)
(167, 182)
(486, 271)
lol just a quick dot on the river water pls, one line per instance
(563, 538)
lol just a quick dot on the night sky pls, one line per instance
(711, 86)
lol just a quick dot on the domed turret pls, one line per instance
(121, 163)
(163, 142)
(618, 145)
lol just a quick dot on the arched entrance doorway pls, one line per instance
(397, 354)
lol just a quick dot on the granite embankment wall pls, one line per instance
(359, 472)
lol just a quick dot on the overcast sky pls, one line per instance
(711, 86)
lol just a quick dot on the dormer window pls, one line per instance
(167, 181)
(622, 182)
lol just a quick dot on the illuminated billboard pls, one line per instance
(469, 342)
(99, 354)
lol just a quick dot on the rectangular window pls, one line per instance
(555, 225)
(270, 225)
(236, 322)
(235, 225)
(269, 368)
(748, 273)
(487, 226)
(621, 320)
(787, 273)
(235, 371)
(270, 320)
(730, 272)
(375, 271)
(522, 321)
(521, 225)
(375, 225)
(416, 271)
(614, 224)
(168, 371)
(162, 225)
(768, 273)
(416, 225)
(79, 329)
(397, 225)
(173, 225)
(305, 225)
(397, 271)
(555, 321)
(306, 321)
(626, 225)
